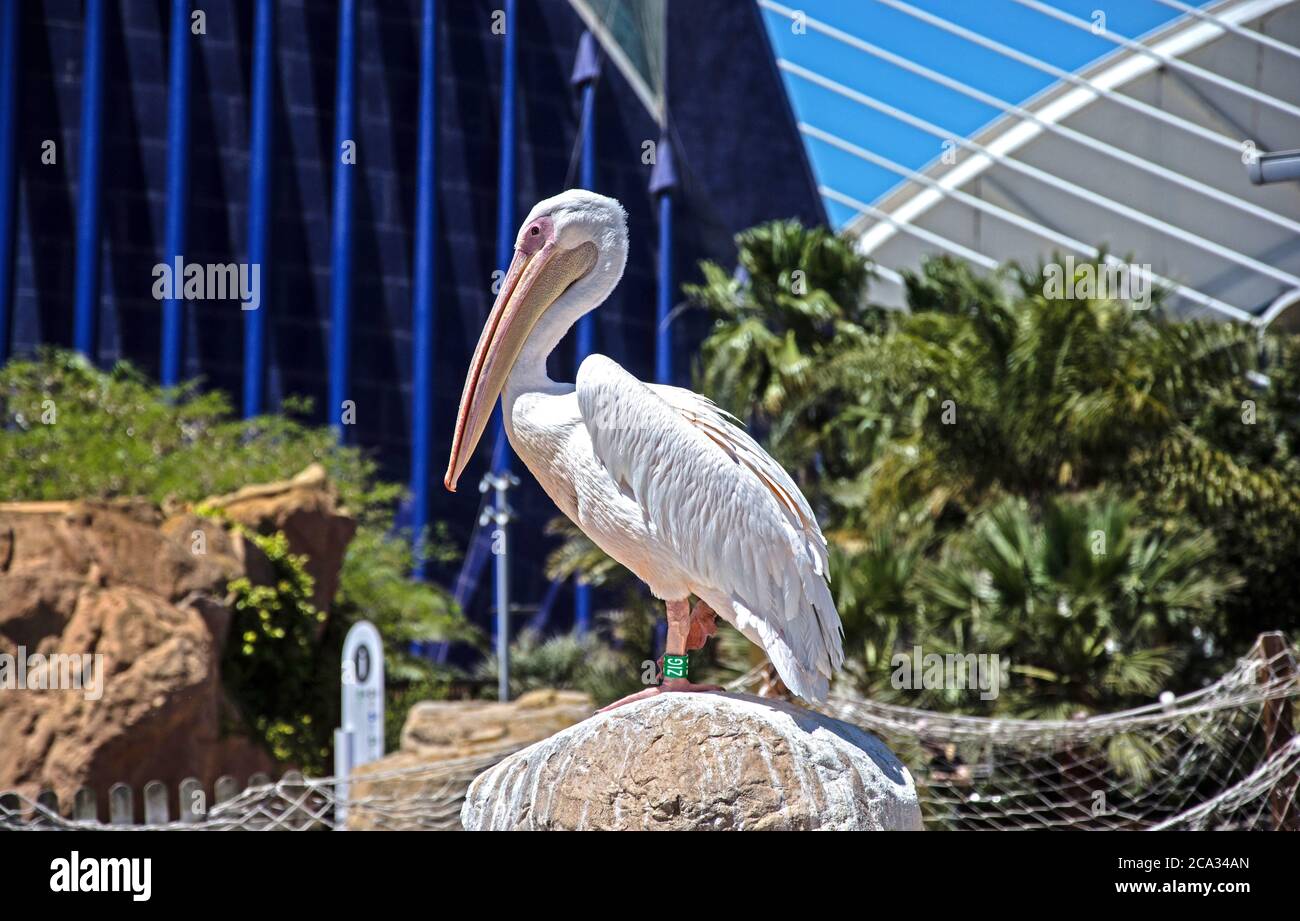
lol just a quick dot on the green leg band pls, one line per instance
(676, 666)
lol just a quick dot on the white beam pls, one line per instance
(1252, 35)
(1137, 47)
(1056, 182)
(1014, 219)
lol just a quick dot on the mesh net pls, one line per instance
(1223, 757)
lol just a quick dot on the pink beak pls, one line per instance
(538, 274)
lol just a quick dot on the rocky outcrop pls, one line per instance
(150, 706)
(144, 599)
(306, 509)
(699, 761)
(437, 738)
(445, 729)
(107, 543)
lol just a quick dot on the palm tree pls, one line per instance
(1092, 610)
(967, 456)
(796, 300)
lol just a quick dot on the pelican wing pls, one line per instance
(734, 519)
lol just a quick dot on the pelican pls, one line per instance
(658, 477)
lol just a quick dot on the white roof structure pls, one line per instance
(1142, 153)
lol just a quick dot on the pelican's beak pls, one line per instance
(536, 278)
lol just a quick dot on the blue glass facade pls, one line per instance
(739, 161)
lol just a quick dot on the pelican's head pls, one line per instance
(569, 255)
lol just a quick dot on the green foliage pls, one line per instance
(579, 663)
(1235, 467)
(798, 299)
(116, 433)
(1088, 486)
(1091, 610)
(71, 430)
(273, 659)
(872, 581)
(375, 585)
(1021, 392)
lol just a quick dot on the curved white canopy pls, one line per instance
(1142, 154)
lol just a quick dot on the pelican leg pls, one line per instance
(704, 624)
(684, 627)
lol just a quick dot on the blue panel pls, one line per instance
(178, 166)
(505, 247)
(260, 137)
(586, 333)
(664, 295)
(8, 142)
(341, 261)
(88, 193)
(423, 308)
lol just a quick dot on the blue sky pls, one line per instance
(1003, 20)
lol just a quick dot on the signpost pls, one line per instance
(360, 738)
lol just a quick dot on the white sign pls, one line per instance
(360, 738)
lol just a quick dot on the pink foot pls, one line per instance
(671, 686)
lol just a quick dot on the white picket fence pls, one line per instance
(195, 804)
(425, 797)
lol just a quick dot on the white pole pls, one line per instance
(499, 514)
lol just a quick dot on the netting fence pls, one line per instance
(1224, 757)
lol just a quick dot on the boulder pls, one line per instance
(155, 713)
(306, 509)
(443, 743)
(114, 579)
(699, 761)
(105, 543)
(445, 729)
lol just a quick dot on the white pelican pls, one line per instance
(659, 477)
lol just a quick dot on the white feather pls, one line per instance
(667, 485)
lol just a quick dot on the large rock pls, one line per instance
(105, 543)
(157, 714)
(306, 509)
(699, 761)
(148, 595)
(445, 729)
(443, 744)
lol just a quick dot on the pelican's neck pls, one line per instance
(529, 373)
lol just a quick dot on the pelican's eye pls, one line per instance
(537, 234)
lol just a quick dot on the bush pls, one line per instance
(71, 430)
(964, 456)
(274, 663)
